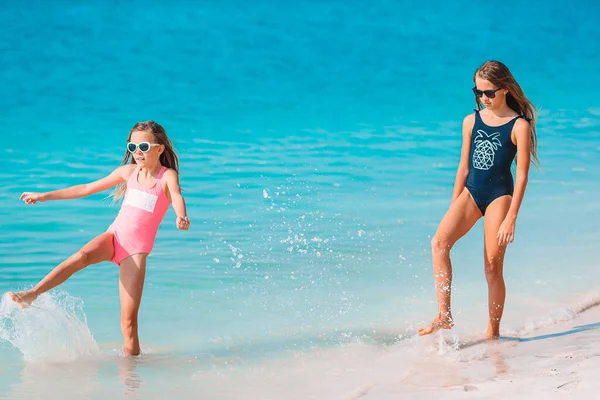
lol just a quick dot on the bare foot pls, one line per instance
(131, 352)
(24, 299)
(440, 322)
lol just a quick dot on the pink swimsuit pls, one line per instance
(141, 213)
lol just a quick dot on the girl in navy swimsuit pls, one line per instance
(502, 126)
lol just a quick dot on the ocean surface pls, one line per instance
(318, 143)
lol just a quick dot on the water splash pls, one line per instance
(54, 328)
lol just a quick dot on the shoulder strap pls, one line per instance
(520, 116)
(477, 116)
(133, 175)
(161, 172)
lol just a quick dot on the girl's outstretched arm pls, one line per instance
(177, 201)
(119, 175)
(506, 233)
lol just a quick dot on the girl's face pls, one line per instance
(489, 94)
(144, 149)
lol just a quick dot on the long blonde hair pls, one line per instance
(498, 74)
(168, 157)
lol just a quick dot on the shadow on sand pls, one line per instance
(576, 329)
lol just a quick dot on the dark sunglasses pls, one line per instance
(143, 146)
(490, 94)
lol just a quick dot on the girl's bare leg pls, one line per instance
(459, 219)
(99, 249)
(494, 262)
(131, 285)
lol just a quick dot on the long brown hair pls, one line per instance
(168, 157)
(498, 74)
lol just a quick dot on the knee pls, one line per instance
(440, 244)
(81, 258)
(493, 271)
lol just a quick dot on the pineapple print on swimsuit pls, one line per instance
(492, 153)
(485, 148)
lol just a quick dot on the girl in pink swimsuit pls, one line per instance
(148, 182)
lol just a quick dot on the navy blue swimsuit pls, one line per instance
(492, 153)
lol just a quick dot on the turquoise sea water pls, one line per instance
(318, 144)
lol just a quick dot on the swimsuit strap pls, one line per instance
(133, 176)
(161, 172)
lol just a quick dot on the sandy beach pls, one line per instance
(555, 358)
(558, 361)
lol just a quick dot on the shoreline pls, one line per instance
(561, 358)
(556, 354)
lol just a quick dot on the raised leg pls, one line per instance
(459, 219)
(99, 249)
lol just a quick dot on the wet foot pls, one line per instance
(131, 352)
(24, 299)
(437, 324)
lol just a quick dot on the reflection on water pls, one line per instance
(499, 362)
(77, 380)
(129, 376)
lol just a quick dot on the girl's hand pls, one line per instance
(32, 197)
(506, 233)
(183, 223)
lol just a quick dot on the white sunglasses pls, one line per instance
(143, 146)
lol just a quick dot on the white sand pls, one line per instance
(559, 358)
(555, 362)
